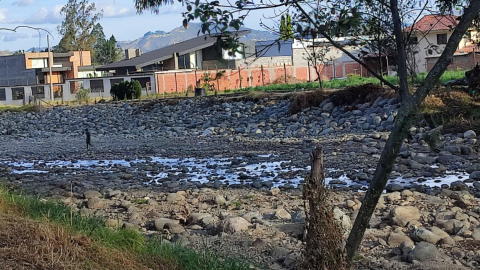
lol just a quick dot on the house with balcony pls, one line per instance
(197, 53)
(428, 39)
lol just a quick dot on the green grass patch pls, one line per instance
(13, 108)
(123, 239)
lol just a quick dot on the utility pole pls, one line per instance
(50, 62)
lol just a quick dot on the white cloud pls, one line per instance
(111, 10)
(23, 3)
(3, 15)
(13, 37)
(45, 15)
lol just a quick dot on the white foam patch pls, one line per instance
(226, 170)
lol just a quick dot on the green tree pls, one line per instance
(331, 19)
(99, 44)
(76, 28)
(109, 52)
(286, 29)
(19, 52)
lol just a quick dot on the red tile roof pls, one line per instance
(435, 22)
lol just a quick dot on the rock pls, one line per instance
(394, 187)
(174, 228)
(174, 197)
(448, 159)
(395, 239)
(279, 252)
(274, 191)
(475, 175)
(476, 234)
(425, 252)
(91, 194)
(394, 196)
(250, 216)
(422, 234)
(112, 223)
(453, 149)
(328, 107)
(458, 186)
(196, 218)
(344, 219)
(402, 215)
(233, 225)
(282, 214)
(95, 203)
(469, 134)
(160, 223)
(220, 200)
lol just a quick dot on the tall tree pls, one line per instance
(76, 28)
(100, 41)
(286, 30)
(109, 52)
(332, 18)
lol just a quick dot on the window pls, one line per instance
(442, 39)
(3, 96)
(57, 91)
(18, 93)
(38, 91)
(96, 86)
(75, 86)
(40, 63)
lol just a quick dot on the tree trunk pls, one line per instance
(403, 121)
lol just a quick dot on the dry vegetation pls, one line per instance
(31, 244)
(303, 100)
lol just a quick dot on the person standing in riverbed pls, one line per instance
(88, 137)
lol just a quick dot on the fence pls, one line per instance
(229, 79)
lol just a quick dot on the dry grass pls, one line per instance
(303, 100)
(361, 94)
(290, 80)
(29, 244)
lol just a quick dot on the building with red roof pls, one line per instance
(428, 38)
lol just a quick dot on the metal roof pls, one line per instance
(165, 53)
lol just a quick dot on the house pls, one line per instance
(196, 53)
(32, 68)
(429, 37)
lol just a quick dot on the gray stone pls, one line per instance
(475, 175)
(458, 186)
(422, 234)
(174, 227)
(396, 239)
(220, 200)
(160, 223)
(394, 187)
(95, 203)
(196, 218)
(233, 225)
(91, 194)
(448, 159)
(469, 134)
(402, 215)
(174, 197)
(282, 214)
(328, 107)
(425, 252)
(455, 150)
(274, 191)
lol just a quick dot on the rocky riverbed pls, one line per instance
(228, 174)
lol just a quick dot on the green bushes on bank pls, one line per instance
(126, 90)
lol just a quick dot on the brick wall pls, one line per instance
(464, 62)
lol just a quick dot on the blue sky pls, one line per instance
(119, 18)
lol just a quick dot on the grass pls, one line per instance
(127, 244)
(13, 108)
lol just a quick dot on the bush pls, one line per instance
(82, 95)
(126, 90)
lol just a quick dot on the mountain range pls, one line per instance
(159, 39)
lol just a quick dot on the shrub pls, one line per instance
(82, 95)
(126, 90)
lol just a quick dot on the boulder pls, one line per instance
(220, 200)
(425, 252)
(174, 228)
(395, 239)
(469, 134)
(95, 203)
(402, 215)
(475, 175)
(422, 234)
(458, 186)
(196, 218)
(91, 194)
(174, 197)
(282, 214)
(160, 223)
(234, 224)
(274, 191)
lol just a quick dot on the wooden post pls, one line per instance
(239, 78)
(285, 72)
(176, 87)
(263, 76)
(309, 79)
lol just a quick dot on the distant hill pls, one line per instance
(159, 39)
